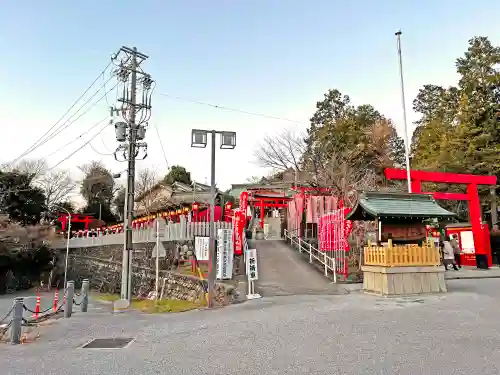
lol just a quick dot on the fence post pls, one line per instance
(326, 264)
(310, 254)
(17, 319)
(300, 245)
(85, 294)
(70, 293)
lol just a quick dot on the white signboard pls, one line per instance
(252, 271)
(162, 253)
(467, 240)
(224, 254)
(201, 247)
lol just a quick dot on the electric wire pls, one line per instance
(77, 138)
(30, 149)
(216, 106)
(78, 149)
(161, 145)
(67, 125)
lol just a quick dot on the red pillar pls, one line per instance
(63, 223)
(262, 213)
(476, 222)
(416, 186)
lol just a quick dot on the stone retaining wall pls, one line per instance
(103, 267)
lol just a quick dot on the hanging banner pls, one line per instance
(237, 232)
(244, 201)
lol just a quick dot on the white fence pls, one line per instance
(173, 232)
(328, 263)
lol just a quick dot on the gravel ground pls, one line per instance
(455, 333)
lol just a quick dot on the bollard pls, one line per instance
(70, 293)
(17, 320)
(85, 294)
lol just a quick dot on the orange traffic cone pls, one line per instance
(37, 307)
(56, 299)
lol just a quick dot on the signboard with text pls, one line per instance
(201, 248)
(252, 270)
(224, 254)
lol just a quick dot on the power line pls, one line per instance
(77, 138)
(216, 106)
(65, 113)
(78, 149)
(67, 124)
(161, 145)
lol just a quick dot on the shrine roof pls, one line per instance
(372, 205)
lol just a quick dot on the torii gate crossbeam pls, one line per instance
(479, 230)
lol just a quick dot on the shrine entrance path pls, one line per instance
(284, 272)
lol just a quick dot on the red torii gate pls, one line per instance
(63, 219)
(479, 231)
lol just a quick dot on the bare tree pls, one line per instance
(346, 177)
(148, 197)
(34, 168)
(57, 186)
(282, 151)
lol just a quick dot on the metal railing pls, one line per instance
(328, 262)
(173, 232)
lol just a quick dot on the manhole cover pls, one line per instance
(113, 343)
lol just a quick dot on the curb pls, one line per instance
(472, 277)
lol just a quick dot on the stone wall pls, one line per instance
(103, 267)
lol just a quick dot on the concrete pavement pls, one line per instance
(283, 271)
(455, 333)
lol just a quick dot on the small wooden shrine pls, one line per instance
(401, 261)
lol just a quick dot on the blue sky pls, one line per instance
(275, 57)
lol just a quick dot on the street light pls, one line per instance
(199, 139)
(67, 242)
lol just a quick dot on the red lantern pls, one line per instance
(196, 206)
(229, 205)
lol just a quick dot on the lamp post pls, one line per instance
(67, 242)
(199, 139)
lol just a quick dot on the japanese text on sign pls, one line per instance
(252, 270)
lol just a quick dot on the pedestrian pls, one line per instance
(448, 255)
(456, 250)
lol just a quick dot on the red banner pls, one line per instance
(238, 226)
(244, 202)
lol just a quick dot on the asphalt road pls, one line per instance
(456, 333)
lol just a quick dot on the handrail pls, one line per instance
(328, 262)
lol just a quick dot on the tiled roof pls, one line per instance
(397, 205)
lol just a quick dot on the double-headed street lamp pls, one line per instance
(199, 139)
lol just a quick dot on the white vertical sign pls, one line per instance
(252, 270)
(224, 254)
(201, 248)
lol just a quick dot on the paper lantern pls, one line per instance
(179, 211)
(186, 209)
(229, 205)
(196, 206)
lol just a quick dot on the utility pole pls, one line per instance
(403, 102)
(130, 132)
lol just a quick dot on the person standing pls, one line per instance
(456, 250)
(448, 255)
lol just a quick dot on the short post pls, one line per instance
(310, 254)
(85, 294)
(326, 263)
(70, 293)
(17, 319)
(300, 245)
